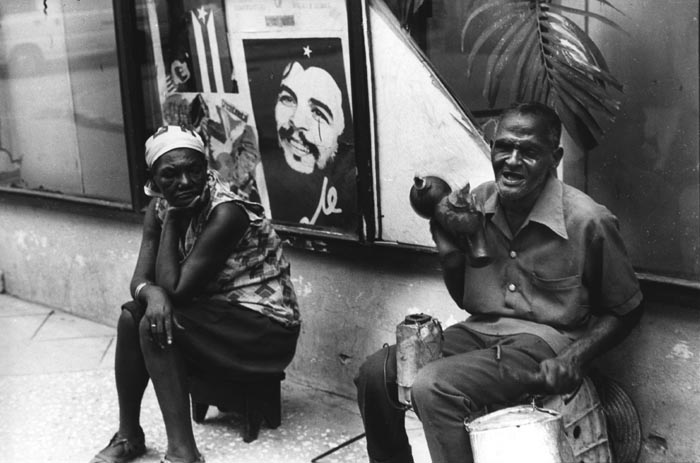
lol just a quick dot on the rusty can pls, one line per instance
(418, 342)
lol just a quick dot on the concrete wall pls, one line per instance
(80, 259)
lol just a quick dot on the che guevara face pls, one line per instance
(309, 116)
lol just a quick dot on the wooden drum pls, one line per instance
(584, 423)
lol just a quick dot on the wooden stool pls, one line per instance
(256, 399)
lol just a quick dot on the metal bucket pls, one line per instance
(525, 434)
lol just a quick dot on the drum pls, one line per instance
(524, 433)
(584, 423)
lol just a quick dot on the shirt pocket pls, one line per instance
(557, 301)
(555, 284)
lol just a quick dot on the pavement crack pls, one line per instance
(48, 315)
(109, 344)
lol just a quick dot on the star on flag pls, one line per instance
(201, 14)
(307, 51)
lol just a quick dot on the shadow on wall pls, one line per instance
(659, 367)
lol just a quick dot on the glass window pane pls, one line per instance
(61, 125)
(420, 130)
(646, 168)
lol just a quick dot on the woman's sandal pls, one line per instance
(121, 450)
(165, 459)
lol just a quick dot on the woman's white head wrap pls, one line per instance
(168, 138)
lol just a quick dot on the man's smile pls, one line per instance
(511, 178)
(298, 145)
(300, 148)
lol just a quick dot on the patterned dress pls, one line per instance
(245, 324)
(256, 275)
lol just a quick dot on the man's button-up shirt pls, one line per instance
(565, 264)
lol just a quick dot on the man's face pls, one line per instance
(309, 116)
(522, 154)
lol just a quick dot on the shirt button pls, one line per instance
(511, 287)
(513, 254)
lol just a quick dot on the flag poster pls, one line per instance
(199, 88)
(195, 47)
(266, 84)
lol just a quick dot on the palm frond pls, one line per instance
(588, 14)
(506, 21)
(508, 47)
(517, 84)
(550, 58)
(496, 4)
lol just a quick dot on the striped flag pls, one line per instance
(211, 58)
(169, 84)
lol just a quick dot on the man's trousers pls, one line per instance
(476, 371)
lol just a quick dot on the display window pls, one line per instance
(61, 118)
(325, 110)
(268, 87)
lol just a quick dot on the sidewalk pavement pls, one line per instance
(58, 402)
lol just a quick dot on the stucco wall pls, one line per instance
(351, 301)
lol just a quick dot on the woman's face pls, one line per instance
(180, 175)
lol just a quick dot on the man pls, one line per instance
(309, 117)
(313, 179)
(560, 292)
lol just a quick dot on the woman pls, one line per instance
(212, 296)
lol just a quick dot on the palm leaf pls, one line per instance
(585, 100)
(495, 4)
(517, 84)
(508, 46)
(574, 82)
(588, 14)
(507, 20)
(551, 59)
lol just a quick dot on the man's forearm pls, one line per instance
(453, 274)
(605, 333)
(561, 374)
(452, 261)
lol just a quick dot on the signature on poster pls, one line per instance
(327, 203)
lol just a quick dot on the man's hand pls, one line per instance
(564, 373)
(558, 375)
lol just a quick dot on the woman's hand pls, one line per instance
(159, 315)
(182, 214)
